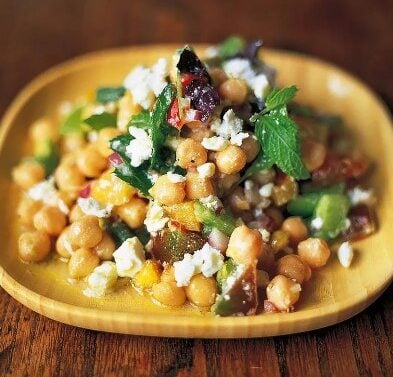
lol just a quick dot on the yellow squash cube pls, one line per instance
(184, 214)
(149, 275)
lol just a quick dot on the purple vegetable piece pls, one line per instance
(203, 97)
(190, 63)
(251, 50)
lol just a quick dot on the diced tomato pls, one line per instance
(85, 192)
(186, 78)
(337, 169)
(173, 117)
(115, 159)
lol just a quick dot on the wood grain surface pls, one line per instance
(35, 34)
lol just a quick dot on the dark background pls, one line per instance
(36, 34)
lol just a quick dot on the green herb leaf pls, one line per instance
(137, 177)
(110, 94)
(279, 137)
(231, 46)
(261, 162)
(72, 124)
(99, 121)
(141, 120)
(278, 98)
(47, 154)
(160, 129)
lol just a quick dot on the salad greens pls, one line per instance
(72, 123)
(48, 155)
(110, 94)
(99, 121)
(231, 46)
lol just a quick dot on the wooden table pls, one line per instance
(35, 34)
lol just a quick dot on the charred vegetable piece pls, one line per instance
(47, 154)
(223, 222)
(304, 205)
(190, 63)
(239, 293)
(119, 231)
(227, 269)
(170, 246)
(332, 210)
(362, 222)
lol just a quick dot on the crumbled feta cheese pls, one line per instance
(265, 234)
(358, 196)
(101, 280)
(175, 178)
(92, 136)
(184, 270)
(46, 192)
(129, 257)
(266, 190)
(173, 142)
(317, 223)
(345, 254)
(206, 170)
(145, 84)
(65, 108)
(211, 202)
(99, 109)
(215, 143)
(347, 223)
(295, 288)
(211, 52)
(140, 148)
(90, 206)
(206, 261)
(230, 128)
(153, 176)
(241, 68)
(155, 219)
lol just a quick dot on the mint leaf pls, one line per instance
(137, 177)
(99, 121)
(261, 162)
(279, 97)
(110, 94)
(231, 46)
(279, 137)
(48, 155)
(141, 120)
(160, 129)
(72, 124)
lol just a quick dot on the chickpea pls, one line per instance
(251, 147)
(104, 137)
(296, 229)
(69, 178)
(105, 248)
(231, 160)
(190, 154)
(133, 213)
(27, 209)
(202, 290)
(28, 173)
(168, 293)
(218, 75)
(245, 245)
(82, 262)
(168, 274)
(276, 216)
(43, 129)
(238, 201)
(90, 162)
(313, 153)
(197, 187)
(73, 142)
(314, 251)
(293, 268)
(127, 108)
(85, 232)
(34, 246)
(264, 176)
(196, 130)
(63, 244)
(50, 220)
(262, 279)
(226, 181)
(279, 240)
(285, 189)
(283, 292)
(167, 192)
(234, 90)
(76, 213)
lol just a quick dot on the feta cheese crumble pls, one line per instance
(147, 83)
(211, 202)
(206, 170)
(266, 190)
(101, 280)
(345, 254)
(215, 143)
(265, 234)
(230, 128)
(317, 223)
(90, 206)
(358, 196)
(207, 261)
(140, 148)
(46, 192)
(176, 178)
(155, 219)
(129, 257)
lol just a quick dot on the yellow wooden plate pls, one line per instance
(333, 295)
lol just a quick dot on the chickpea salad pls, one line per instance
(194, 181)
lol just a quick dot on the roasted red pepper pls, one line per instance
(173, 116)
